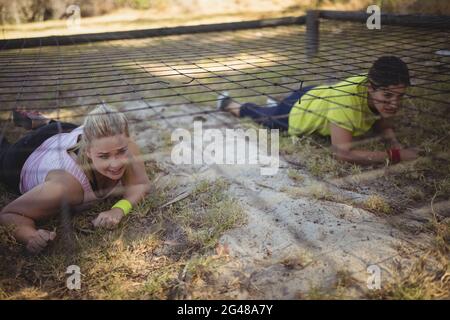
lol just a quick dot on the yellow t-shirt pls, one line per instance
(344, 104)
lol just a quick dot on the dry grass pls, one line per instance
(429, 278)
(345, 285)
(313, 154)
(295, 175)
(377, 204)
(296, 260)
(154, 254)
(206, 214)
(316, 190)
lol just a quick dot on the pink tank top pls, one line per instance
(52, 155)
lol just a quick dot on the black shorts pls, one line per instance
(13, 156)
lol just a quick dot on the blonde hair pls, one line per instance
(101, 122)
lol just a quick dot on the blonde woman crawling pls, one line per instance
(60, 165)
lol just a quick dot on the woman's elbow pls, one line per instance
(147, 188)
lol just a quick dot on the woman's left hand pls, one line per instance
(108, 219)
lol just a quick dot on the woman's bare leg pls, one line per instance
(234, 108)
(29, 120)
(23, 226)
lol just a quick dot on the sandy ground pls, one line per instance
(291, 245)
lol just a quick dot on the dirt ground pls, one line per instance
(294, 242)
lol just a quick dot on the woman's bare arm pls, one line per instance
(341, 140)
(40, 203)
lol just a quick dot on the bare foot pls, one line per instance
(39, 240)
(234, 108)
(29, 120)
(225, 103)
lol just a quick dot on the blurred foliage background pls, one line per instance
(23, 11)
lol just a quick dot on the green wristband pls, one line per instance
(125, 205)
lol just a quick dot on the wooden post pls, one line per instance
(312, 33)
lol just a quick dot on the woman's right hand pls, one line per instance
(39, 240)
(409, 154)
(108, 219)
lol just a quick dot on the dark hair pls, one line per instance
(387, 71)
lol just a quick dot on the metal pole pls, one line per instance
(312, 33)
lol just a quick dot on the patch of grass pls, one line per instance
(414, 193)
(295, 175)
(429, 276)
(324, 166)
(156, 198)
(317, 293)
(159, 283)
(313, 154)
(441, 232)
(178, 280)
(425, 279)
(377, 204)
(210, 214)
(293, 263)
(29, 293)
(318, 190)
(344, 279)
(322, 192)
(6, 238)
(199, 268)
(3, 294)
(166, 136)
(131, 262)
(443, 186)
(288, 144)
(355, 169)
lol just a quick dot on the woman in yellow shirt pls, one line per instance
(342, 111)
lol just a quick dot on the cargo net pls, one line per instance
(177, 79)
